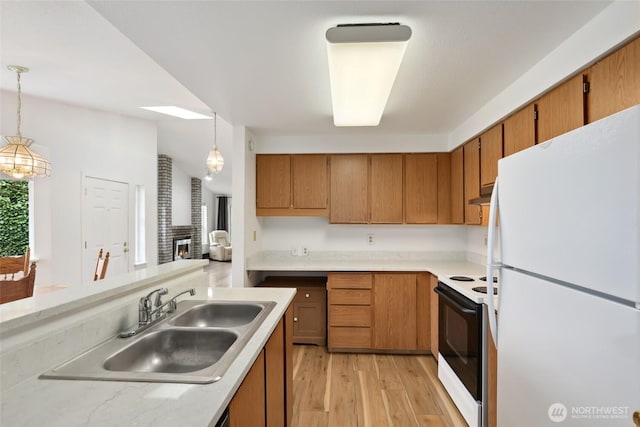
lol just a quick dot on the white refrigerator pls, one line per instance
(568, 328)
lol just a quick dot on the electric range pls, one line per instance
(465, 285)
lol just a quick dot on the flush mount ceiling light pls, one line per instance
(177, 112)
(215, 161)
(16, 158)
(363, 62)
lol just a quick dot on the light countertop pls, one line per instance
(38, 402)
(437, 263)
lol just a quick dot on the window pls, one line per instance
(14, 217)
(140, 255)
(205, 234)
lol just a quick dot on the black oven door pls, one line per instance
(460, 337)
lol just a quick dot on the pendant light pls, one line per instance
(215, 161)
(16, 158)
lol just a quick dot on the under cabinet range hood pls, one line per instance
(485, 196)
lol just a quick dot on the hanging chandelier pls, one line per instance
(16, 158)
(215, 161)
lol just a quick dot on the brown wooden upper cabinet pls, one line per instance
(349, 189)
(292, 185)
(387, 188)
(562, 109)
(490, 153)
(519, 130)
(472, 213)
(273, 181)
(614, 82)
(310, 180)
(421, 195)
(457, 186)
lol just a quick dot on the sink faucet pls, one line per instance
(172, 302)
(145, 305)
(146, 311)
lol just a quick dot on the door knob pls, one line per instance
(295, 319)
(306, 295)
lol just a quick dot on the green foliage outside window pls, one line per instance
(14, 217)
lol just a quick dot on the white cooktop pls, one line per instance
(466, 288)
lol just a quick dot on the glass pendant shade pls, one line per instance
(19, 161)
(215, 161)
(16, 158)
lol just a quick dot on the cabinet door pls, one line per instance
(349, 189)
(273, 181)
(561, 110)
(394, 311)
(457, 186)
(421, 195)
(615, 82)
(308, 322)
(490, 153)
(444, 188)
(472, 213)
(433, 282)
(247, 407)
(423, 311)
(386, 188)
(519, 130)
(310, 181)
(275, 378)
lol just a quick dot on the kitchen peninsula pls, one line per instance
(39, 333)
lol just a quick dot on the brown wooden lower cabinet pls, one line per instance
(265, 397)
(433, 282)
(247, 408)
(309, 306)
(388, 311)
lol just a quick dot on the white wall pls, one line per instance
(316, 234)
(180, 197)
(364, 142)
(81, 142)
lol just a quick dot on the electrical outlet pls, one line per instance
(370, 239)
(304, 251)
(486, 239)
(294, 251)
(254, 235)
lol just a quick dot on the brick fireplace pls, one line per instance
(168, 233)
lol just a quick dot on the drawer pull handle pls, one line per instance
(307, 295)
(295, 319)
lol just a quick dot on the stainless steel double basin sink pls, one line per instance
(196, 344)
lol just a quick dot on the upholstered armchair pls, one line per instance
(219, 246)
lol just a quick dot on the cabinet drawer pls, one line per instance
(350, 280)
(340, 337)
(310, 295)
(349, 315)
(349, 297)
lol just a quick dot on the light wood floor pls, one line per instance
(361, 390)
(219, 274)
(339, 389)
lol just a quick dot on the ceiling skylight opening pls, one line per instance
(364, 60)
(178, 112)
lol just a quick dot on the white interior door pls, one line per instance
(105, 226)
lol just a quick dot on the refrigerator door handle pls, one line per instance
(491, 264)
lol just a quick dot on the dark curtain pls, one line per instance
(223, 216)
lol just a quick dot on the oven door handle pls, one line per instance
(455, 303)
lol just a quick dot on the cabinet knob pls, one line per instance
(295, 319)
(306, 295)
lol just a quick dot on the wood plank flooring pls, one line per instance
(349, 390)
